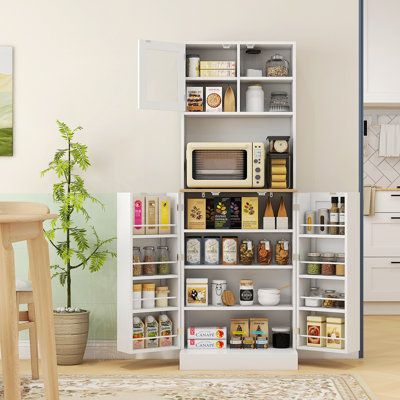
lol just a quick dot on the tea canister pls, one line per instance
(193, 250)
(316, 331)
(211, 250)
(246, 292)
(137, 296)
(217, 288)
(254, 99)
(197, 292)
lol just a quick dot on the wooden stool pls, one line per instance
(24, 222)
(27, 321)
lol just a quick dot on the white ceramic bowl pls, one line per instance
(269, 297)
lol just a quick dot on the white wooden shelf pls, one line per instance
(153, 310)
(328, 277)
(153, 337)
(150, 277)
(322, 262)
(154, 262)
(237, 190)
(154, 349)
(279, 307)
(166, 236)
(266, 79)
(244, 231)
(323, 349)
(239, 114)
(317, 236)
(270, 267)
(323, 309)
(212, 79)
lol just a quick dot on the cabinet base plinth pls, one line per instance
(238, 360)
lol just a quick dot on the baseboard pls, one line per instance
(381, 308)
(99, 350)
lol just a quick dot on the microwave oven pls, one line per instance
(225, 165)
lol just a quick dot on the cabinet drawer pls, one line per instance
(382, 235)
(387, 201)
(381, 280)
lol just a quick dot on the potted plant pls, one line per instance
(76, 242)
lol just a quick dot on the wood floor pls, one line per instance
(380, 369)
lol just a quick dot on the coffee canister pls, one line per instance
(217, 288)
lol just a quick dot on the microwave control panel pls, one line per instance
(258, 165)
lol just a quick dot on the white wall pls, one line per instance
(77, 61)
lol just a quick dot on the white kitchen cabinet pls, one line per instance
(381, 55)
(242, 126)
(381, 235)
(382, 277)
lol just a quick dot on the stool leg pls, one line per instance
(33, 343)
(39, 267)
(8, 319)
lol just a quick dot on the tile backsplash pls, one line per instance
(379, 171)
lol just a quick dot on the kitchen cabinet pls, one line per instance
(381, 55)
(241, 126)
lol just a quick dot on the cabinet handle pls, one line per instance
(394, 217)
(395, 195)
(394, 262)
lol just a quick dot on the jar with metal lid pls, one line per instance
(314, 256)
(328, 266)
(314, 298)
(246, 292)
(163, 258)
(162, 296)
(329, 299)
(254, 98)
(339, 257)
(277, 66)
(149, 268)
(137, 269)
(279, 102)
(264, 252)
(341, 300)
(313, 269)
(192, 65)
(246, 252)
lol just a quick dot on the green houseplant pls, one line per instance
(77, 243)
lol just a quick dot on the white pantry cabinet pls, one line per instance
(241, 126)
(381, 55)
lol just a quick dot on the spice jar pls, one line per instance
(137, 265)
(211, 250)
(329, 299)
(236, 342)
(192, 65)
(281, 337)
(323, 218)
(162, 296)
(282, 252)
(137, 296)
(246, 292)
(163, 258)
(328, 266)
(246, 252)
(314, 256)
(149, 268)
(340, 266)
(313, 269)
(279, 102)
(254, 99)
(149, 291)
(277, 66)
(314, 298)
(264, 254)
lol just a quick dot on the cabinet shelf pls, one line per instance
(152, 277)
(280, 307)
(212, 79)
(323, 349)
(328, 277)
(237, 190)
(273, 267)
(166, 236)
(322, 262)
(244, 231)
(317, 236)
(153, 310)
(154, 349)
(239, 114)
(266, 79)
(323, 310)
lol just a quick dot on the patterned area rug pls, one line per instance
(207, 387)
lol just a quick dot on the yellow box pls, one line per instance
(196, 214)
(164, 214)
(249, 212)
(335, 332)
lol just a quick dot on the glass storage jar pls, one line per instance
(341, 301)
(329, 299)
(137, 265)
(163, 258)
(246, 292)
(328, 266)
(313, 299)
(313, 269)
(314, 256)
(279, 102)
(246, 252)
(254, 99)
(277, 66)
(162, 296)
(340, 267)
(149, 268)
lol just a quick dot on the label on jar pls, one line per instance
(333, 218)
(246, 294)
(342, 218)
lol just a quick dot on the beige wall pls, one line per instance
(77, 61)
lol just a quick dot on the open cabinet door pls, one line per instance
(161, 76)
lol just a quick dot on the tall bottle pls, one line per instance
(342, 216)
(334, 216)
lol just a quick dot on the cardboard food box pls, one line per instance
(196, 214)
(165, 331)
(194, 99)
(249, 212)
(316, 331)
(222, 212)
(214, 99)
(206, 344)
(282, 220)
(214, 332)
(150, 332)
(269, 216)
(259, 327)
(335, 332)
(164, 215)
(138, 333)
(197, 292)
(210, 214)
(235, 215)
(217, 73)
(239, 327)
(139, 207)
(151, 215)
(217, 65)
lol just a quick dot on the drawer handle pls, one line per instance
(394, 262)
(395, 217)
(395, 195)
